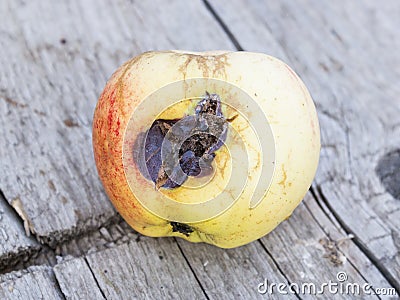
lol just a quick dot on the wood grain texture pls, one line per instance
(295, 254)
(308, 251)
(233, 273)
(76, 280)
(105, 237)
(339, 244)
(33, 283)
(348, 57)
(149, 269)
(54, 66)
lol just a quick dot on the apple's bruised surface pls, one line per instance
(217, 147)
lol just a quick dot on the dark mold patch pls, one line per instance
(70, 123)
(182, 228)
(388, 171)
(190, 144)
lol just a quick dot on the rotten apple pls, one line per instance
(216, 147)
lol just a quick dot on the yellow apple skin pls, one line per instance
(279, 92)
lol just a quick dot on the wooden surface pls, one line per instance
(61, 238)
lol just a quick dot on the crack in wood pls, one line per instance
(94, 278)
(334, 222)
(336, 244)
(12, 233)
(191, 269)
(36, 282)
(105, 237)
(224, 27)
(278, 266)
(364, 248)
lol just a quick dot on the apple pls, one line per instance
(216, 147)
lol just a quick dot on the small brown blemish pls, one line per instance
(231, 119)
(207, 63)
(223, 168)
(63, 41)
(70, 123)
(283, 181)
(14, 103)
(38, 112)
(313, 128)
(78, 213)
(64, 200)
(336, 64)
(221, 63)
(324, 67)
(162, 178)
(51, 185)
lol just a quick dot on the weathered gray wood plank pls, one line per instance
(338, 246)
(347, 55)
(306, 253)
(296, 247)
(14, 244)
(33, 283)
(147, 269)
(54, 66)
(62, 61)
(105, 237)
(76, 280)
(230, 273)
(233, 273)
